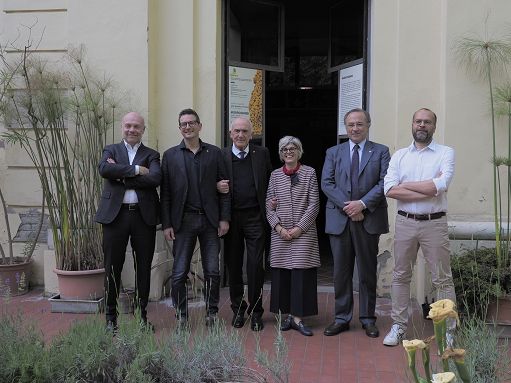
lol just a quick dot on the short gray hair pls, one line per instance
(290, 140)
(358, 110)
(241, 118)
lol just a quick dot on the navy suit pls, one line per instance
(189, 225)
(352, 240)
(120, 223)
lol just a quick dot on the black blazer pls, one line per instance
(121, 176)
(174, 188)
(261, 169)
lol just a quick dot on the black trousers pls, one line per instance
(355, 244)
(294, 291)
(247, 230)
(128, 225)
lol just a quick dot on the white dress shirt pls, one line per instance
(236, 151)
(409, 164)
(130, 196)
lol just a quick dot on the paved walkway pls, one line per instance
(349, 357)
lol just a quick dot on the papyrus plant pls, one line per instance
(487, 58)
(60, 116)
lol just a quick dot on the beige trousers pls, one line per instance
(432, 237)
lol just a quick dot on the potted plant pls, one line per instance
(489, 58)
(60, 117)
(14, 269)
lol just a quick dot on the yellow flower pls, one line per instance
(443, 303)
(457, 354)
(411, 345)
(444, 377)
(442, 309)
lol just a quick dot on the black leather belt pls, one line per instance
(421, 217)
(130, 206)
(194, 211)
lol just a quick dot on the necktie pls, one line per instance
(354, 172)
(242, 154)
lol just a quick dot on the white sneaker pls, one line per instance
(395, 335)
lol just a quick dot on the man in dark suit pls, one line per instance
(356, 215)
(249, 169)
(129, 209)
(193, 208)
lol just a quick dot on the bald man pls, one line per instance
(129, 209)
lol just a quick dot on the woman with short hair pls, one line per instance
(292, 207)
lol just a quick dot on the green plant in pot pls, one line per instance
(60, 116)
(14, 268)
(489, 59)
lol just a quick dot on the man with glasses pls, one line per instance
(356, 215)
(418, 178)
(249, 169)
(192, 208)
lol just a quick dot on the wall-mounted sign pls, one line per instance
(351, 84)
(246, 96)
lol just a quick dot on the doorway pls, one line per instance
(300, 45)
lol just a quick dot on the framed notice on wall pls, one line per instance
(246, 96)
(351, 85)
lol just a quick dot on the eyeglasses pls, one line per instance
(191, 124)
(425, 122)
(288, 150)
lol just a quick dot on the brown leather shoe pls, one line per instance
(336, 328)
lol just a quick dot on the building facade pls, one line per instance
(167, 55)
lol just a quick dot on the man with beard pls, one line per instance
(418, 178)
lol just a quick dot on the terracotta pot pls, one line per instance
(499, 316)
(14, 278)
(81, 285)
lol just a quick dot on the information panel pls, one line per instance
(351, 85)
(246, 96)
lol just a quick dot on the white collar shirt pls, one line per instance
(130, 196)
(434, 162)
(236, 151)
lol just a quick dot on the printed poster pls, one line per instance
(246, 96)
(351, 83)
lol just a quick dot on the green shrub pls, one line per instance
(23, 357)
(89, 353)
(488, 356)
(478, 279)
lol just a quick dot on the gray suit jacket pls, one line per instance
(336, 184)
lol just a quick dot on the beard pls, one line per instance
(422, 136)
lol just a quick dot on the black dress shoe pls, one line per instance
(336, 328)
(256, 323)
(147, 325)
(238, 321)
(301, 328)
(111, 326)
(285, 325)
(211, 319)
(371, 330)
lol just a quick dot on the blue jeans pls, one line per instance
(196, 226)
